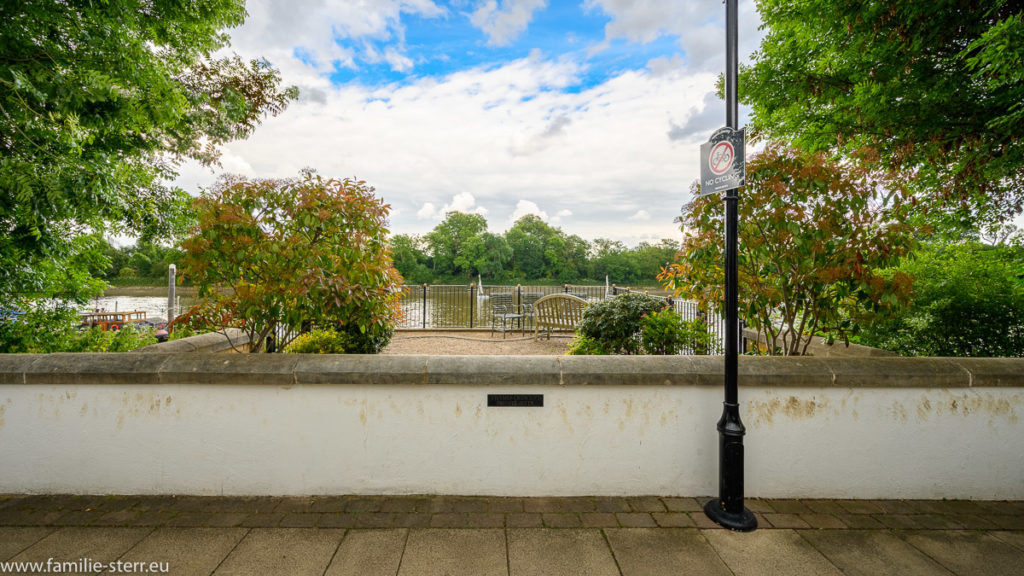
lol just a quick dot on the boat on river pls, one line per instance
(113, 321)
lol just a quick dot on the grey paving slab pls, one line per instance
(1015, 539)
(186, 551)
(14, 540)
(291, 551)
(455, 552)
(967, 552)
(369, 553)
(664, 552)
(558, 552)
(769, 552)
(75, 543)
(872, 553)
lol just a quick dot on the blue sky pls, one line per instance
(587, 113)
(441, 45)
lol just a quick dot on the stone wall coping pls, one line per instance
(301, 369)
(222, 341)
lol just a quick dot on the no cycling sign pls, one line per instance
(722, 165)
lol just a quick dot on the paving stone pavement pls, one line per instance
(480, 536)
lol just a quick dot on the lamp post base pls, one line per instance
(743, 521)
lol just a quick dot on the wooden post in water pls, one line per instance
(171, 273)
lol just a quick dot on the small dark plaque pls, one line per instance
(515, 400)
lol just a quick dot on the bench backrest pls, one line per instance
(559, 311)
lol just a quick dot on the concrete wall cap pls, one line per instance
(291, 369)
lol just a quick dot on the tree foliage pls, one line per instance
(99, 102)
(968, 300)
(936, 87)
(812, 232)
(460, 248)
(454, 243)
(294, 252)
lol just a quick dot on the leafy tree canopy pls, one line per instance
(293, 252)
(936, 87)
(812, 233)
(99, 102)
(968, 301)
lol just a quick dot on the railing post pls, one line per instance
(519, 298)
(424, 306)
(472, 298)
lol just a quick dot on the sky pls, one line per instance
(587, 113)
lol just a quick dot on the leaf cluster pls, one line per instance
(320, 341)
(52, 330)
(99, 102)
(615, 323)
(812, 232)
(296, 252)
(936, 88)
(968, 300)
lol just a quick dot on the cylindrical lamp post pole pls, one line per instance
(728, 509)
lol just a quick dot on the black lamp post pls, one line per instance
(728, 510)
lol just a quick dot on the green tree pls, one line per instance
(99, 102)
(491, 255)
(411, 260)
(812, 232)
(528, 237)
(611, 258)
(289, 252)
(968, 300)
(542, 251)
(649, 259)
(449, 240)
(936, 88)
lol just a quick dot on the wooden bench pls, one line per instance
(558, 312)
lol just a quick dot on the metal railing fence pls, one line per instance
(467, 306)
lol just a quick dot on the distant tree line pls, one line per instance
(460, 248)
(143, 262)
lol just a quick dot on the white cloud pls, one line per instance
(557, 218)
(428, 212)
(524, 207)
(300, 37)
(461, 202)
(640, 216)
(700, 27)
(503, 24)
(464, 202)
(515, 137)
(447, 143)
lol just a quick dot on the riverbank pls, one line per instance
(148, 291)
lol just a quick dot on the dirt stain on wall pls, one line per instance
(970, 403)
(792, 408)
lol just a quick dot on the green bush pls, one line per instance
(373, 340)
(585, 346)
(968, 300)
(51, 331)
(665, 332)
(615, 323)
(326, 341)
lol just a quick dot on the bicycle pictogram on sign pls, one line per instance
(720, 160)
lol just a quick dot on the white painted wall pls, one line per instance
(437, 439)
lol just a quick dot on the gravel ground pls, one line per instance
(475, 343)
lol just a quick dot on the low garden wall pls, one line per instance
(296, 424)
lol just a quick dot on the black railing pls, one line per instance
(467, 306)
